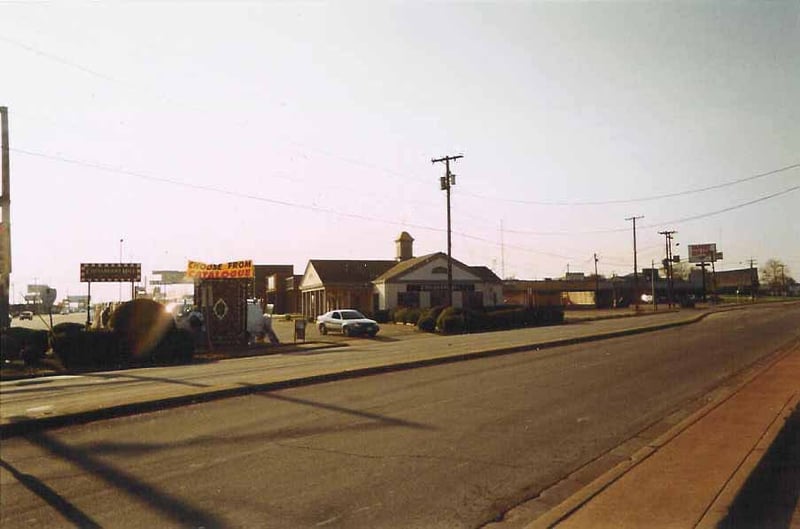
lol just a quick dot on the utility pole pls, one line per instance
(635, 264)
(668, 262)
(753, 281)
(446, 182)
(5, 227)
(596, 283)
(502, 252)
(702, 265)
(783, 278)
(653, 284)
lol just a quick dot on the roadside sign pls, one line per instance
(702, 253)
(111, 272)
(48, 297)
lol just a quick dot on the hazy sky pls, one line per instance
(283, 132)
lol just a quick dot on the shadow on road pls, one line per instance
(51, 497)
(172, 507)
(330, 407)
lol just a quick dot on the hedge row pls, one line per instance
(452, 320)
(110, 349)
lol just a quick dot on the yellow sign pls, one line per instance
(232, 270)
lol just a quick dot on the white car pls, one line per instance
(347, 321)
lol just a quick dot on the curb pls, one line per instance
(28, 426)
(719, 507)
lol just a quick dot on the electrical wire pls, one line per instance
(382, 220)
(639, 199)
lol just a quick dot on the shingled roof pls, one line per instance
(402, 267)
(349, 271)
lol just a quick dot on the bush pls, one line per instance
(21, 343)
(382, 316)
(177, 347)
(427, 320)
(140, 325)
(85, 349)
(450, 321)
(399, 314)
(412, 315)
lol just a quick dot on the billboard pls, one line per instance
(170, 277)
(230, 270)
(111, 272)
(702, 253)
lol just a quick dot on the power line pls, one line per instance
(319, 209)
(639, 199)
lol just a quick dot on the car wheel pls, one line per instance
(345, 331)
(372, 334)
(322, 329)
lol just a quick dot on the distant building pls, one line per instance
(406, 281)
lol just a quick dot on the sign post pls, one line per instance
(108, 273)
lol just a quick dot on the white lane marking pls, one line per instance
(39, 409)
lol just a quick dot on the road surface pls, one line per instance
(456, 445)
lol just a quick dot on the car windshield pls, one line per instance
(352, 315)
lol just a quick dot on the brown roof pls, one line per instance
(335, 271)
(404, 266)
(486, 274)
(408, 264)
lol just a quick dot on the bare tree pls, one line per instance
(775, 275)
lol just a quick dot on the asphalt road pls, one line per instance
(456, 445)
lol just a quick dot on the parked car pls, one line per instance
(26, 315)
(347, 321)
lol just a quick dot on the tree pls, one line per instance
(776, 276)
(680, 270)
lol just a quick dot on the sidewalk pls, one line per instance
(690, 476)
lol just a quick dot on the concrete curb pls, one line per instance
(27, 426)
(720, 506)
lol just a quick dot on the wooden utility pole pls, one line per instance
(446, 182)
(5, 228)
(596, 283)
(753, 281)
(668, 263)
(635, 263)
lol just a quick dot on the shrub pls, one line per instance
(382, 316)
(84, 349)
(451, 321)
(399, 314)
(177, 346)
(21, 343)
(140, 325)
(411, 315)
(427, 320)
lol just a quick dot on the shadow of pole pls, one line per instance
(372, 416)
(52, 498)
(172, 507)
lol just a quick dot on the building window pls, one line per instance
(439, 270)
(408, 299)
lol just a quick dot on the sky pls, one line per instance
(288, 131)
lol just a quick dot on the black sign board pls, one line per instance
(111, 272)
